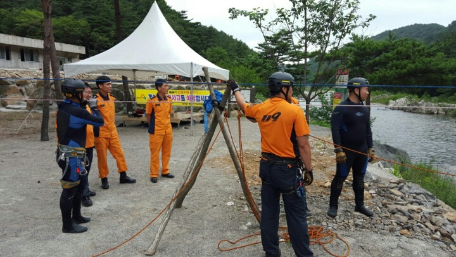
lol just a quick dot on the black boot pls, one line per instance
(104, 183)
(362, 209)
(124, 179)
(70, 227)
(332, 211)
(80, 219)
(86, 201)
(358, 188)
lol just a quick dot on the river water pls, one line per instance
(426, 138)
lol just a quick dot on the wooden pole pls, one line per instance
(190, 176)
(194, 167)
(234, 157)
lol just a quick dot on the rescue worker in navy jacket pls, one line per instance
(71, 123)
(350, 128)
(284, 145)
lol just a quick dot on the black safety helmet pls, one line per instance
(72, 87)
(357, 83)
(278, 80)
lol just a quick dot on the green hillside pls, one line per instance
(92, 24)
(427, 33)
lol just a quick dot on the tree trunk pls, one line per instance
(47, 8)
(55, 65)
(127, 94)
(126, 87)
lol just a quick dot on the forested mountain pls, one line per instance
(419, 54)
(427, 33)
(92, 24)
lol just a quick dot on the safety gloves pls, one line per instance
(340, 155)
(308, 177)
(232, 84)
(372, 158)
(92, 102)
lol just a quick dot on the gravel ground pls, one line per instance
(31, 221)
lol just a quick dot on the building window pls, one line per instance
(5, 53)
(29, 55)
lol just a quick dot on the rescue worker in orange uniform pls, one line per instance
(158, 110)
(294, 100)
(284, 146)
(106, 137)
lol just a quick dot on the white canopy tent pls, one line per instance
(152, 49)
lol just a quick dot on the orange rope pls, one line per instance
(169, 204)
(394, 162)
(316, 233)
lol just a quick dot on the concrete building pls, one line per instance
(27, 53)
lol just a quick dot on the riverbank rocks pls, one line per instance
(400, 207)
(414, 106)
(388, 152)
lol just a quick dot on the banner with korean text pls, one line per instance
(179, 97)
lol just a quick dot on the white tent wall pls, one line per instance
(152, 49)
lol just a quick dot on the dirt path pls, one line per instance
(213, 210)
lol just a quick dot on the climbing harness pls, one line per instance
(65, 152)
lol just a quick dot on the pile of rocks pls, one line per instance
(414, 106)
(400, 208)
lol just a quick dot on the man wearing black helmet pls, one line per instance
(284, 144)
(71, 123)
(351, 130)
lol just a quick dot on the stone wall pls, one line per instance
(23, 89)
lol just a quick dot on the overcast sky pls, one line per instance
(391, 14)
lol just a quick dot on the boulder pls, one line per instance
(7, 90)
(6, 82)
(388, 152)
(16, 99)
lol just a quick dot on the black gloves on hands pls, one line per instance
(232, 84)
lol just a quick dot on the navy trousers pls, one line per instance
(280, 179)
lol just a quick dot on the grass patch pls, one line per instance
(384, 98)
(320, 123)
(442, 187)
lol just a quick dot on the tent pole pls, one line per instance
(134, 87)
(191, 97)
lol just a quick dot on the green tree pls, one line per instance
(217, 55)
(399, 62)
(314, 27)
(29, 22)
(70, 29)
